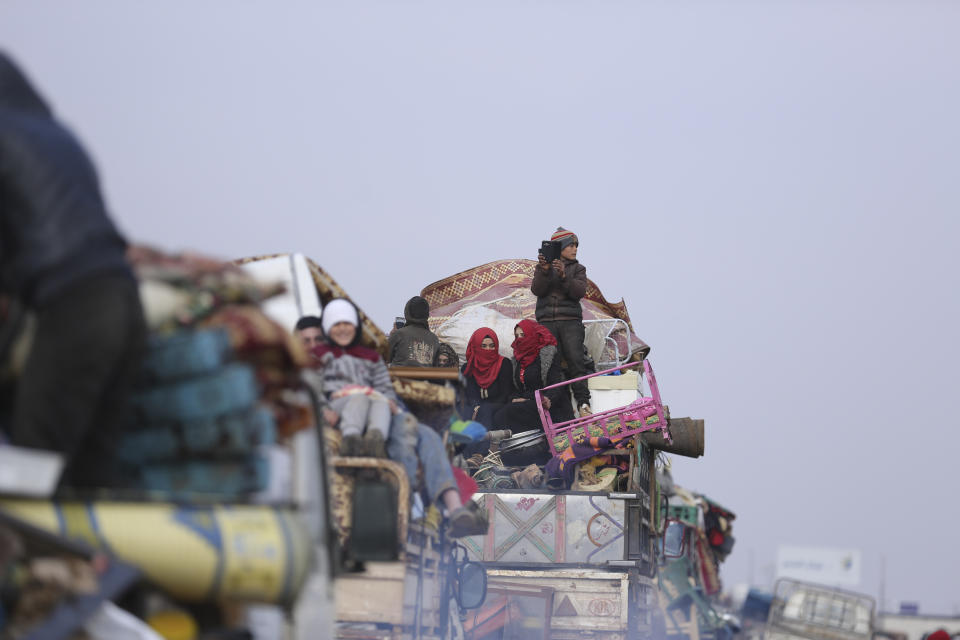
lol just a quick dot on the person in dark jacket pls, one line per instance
(559, 287)
(414, 345)
(536, 365)
(488, 375)
(63, 258)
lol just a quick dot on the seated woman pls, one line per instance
(446, 356)
(537, 366)
(488, 375)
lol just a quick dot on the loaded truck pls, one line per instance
(579, 562)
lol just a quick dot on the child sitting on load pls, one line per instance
(355, 382)
(357, 385)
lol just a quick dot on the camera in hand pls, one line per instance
(550, 249)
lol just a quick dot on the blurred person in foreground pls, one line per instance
(63, 258)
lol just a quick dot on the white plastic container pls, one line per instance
(610, 392)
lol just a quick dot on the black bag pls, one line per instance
(522, 449)
(374, 534)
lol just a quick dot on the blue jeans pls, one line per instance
(411, 442)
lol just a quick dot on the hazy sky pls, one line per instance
(771, 186)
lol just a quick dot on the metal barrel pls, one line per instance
(687, 435)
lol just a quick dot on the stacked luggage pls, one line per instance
(196, 423)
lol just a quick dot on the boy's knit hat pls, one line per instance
(565, 237)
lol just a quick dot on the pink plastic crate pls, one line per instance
(637, 413)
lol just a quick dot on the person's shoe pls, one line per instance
(469, 520)
(351, 446)
(585, 410)
(374, 445)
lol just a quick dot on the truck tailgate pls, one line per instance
(578, 600)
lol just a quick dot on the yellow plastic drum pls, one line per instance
(250, 553)
(173, 625)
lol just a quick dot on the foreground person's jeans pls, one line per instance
(411, 442)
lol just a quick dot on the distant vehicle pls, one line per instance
(815, 612)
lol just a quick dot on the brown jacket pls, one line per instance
(559, 298)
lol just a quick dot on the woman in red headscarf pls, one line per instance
(536, 365)
(489, 376)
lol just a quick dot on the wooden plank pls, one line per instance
(386, 593)
(367, 599)
(425, 373)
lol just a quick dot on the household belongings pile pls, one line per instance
(52, 588)
(220, 383)
(497, 295)
(58, 573)
(590, 453)
(589, 457)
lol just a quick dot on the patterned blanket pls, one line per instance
(499, 293)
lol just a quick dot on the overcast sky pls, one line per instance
(772, 187)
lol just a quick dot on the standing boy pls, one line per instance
(559, 286)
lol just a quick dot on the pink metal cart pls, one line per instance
(632, 418)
